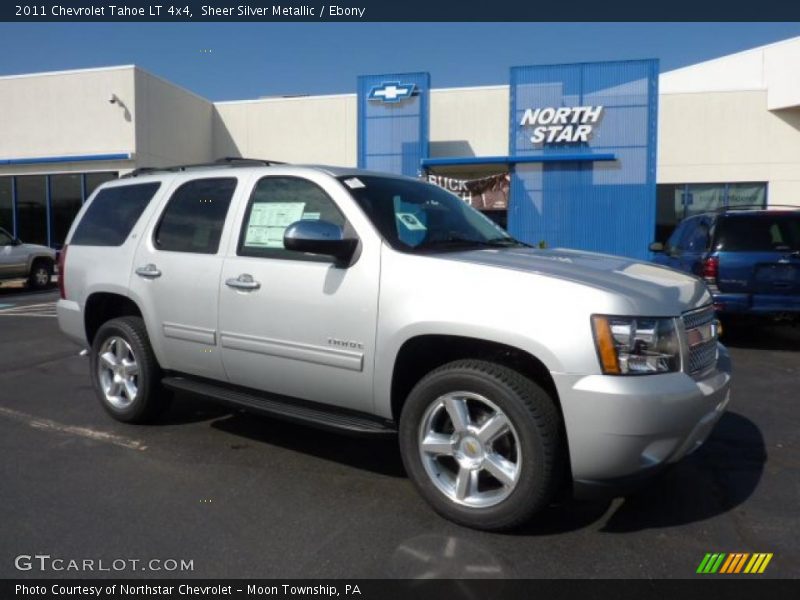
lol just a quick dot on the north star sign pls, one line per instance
(563, 125)
(391, 91)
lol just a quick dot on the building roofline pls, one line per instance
(756, 49)
(67, 72)
(172, 84)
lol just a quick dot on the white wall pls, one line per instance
(173, 125)
(728, 137)
(469, 121)
(313, 129)
(66, 113)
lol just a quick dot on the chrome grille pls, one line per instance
(701, 333)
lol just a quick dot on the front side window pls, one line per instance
(195, 216)
(413, 216)
(5, 238)
(112, 214)
(276, 203)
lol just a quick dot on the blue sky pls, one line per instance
(232, 61)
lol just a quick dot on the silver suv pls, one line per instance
(379, 305)
(30, 261)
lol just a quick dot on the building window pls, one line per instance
(6, 205)
(676, 201)
(93, 180)
(42, 197)
(65, 202)
(32, 209)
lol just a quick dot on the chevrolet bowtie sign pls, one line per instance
(391, 91)
(563, 125)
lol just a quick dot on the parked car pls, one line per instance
(31, 261)
(380, 305)
(750, 258)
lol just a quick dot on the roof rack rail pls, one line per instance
(227, 161)
(755, 207)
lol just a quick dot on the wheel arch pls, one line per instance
(421, 354)
(104, 306)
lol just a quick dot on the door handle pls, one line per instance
(149, 271)
(244, 281)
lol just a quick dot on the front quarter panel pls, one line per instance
(547, 317)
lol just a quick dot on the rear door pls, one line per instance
(759, 254)
(176, 275)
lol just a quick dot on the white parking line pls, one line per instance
(44, 309)
(85, 432)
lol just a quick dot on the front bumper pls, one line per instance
(624, 429)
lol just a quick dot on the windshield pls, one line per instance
(414, 216)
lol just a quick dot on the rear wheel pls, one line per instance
(125, 373)
(41, 274)
(482, 444)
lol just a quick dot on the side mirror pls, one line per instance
(319, 237)
(656, 247)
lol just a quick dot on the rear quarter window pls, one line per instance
(112, 214)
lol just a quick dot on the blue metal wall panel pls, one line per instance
(597, 206)
(393, 126)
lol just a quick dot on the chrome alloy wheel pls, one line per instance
(118, 372)
(41, 276)
(470, 449)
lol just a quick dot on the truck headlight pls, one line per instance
(636, 345)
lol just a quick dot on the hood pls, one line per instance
(647, 284)
(37, 248)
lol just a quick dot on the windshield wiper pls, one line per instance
(504, 242)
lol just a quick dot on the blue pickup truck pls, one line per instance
(749, 258)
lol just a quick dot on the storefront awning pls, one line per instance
(510, 160)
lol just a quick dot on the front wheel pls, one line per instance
(125, 373)
(41, 274)
(482, 444)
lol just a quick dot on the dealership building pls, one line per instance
(604, 156)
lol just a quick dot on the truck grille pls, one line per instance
(701, 333)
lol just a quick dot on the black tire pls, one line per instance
(41, 274)
(150, 399)
(532, 413)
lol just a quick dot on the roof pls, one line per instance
(772, 68)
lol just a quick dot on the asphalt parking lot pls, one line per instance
(245, 496)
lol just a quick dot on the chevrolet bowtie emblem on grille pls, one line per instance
(391, 91)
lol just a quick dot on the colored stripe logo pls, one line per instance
(734, 563)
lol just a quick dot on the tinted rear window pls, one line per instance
(112, 215)
(777, 232)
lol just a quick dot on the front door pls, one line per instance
(176, 276)
(291, 323)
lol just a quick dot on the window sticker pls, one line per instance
(410, 221)
(354, 183)
(311, 216)
(268, 221)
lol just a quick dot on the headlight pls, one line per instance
(636, 345)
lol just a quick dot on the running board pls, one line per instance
(289, 409)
